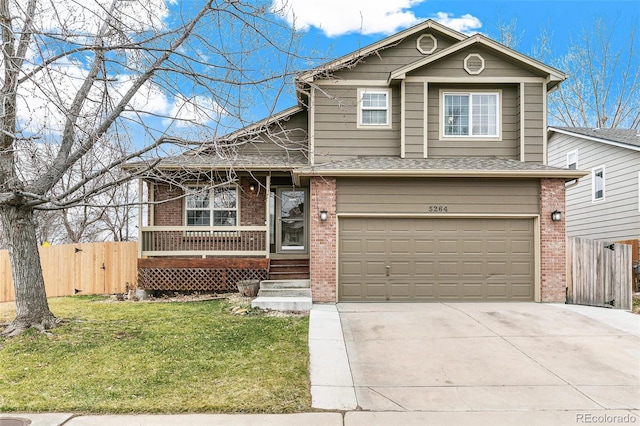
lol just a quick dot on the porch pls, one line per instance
(206, 233)
(247, 216)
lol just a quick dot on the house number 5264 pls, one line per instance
(438, 209)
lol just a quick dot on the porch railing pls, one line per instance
(203, 241)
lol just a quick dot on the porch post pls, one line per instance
(267, 221)
(140, 213)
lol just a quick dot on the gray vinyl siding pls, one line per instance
(288, 135)
(617, 217)
(534, 123)
(460, 196)
(337, 135)
(453, 66)
(414, 119)
(508, 147)
(377, 66)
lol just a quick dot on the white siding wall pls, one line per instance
(617, 217)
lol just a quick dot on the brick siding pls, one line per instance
(553, 242)
(252, 204)
(168, 213)
(323, 265)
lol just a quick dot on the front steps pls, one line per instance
(284, 295)
(289, 269)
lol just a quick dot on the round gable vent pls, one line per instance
(427, 44)
(474, 63)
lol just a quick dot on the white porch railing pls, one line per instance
(204, 241)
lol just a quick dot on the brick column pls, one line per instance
(322, 260)
(552, 241)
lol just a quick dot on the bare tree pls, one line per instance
(603, 89)
(508, 33)
(78, 73)
(604, 86)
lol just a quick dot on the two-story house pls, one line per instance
(413, 169)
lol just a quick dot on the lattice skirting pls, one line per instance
(196, 279)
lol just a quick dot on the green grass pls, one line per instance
(157, 358)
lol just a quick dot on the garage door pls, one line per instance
(436, 259)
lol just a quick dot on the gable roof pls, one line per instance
(624, 138)
(555, 76)
(252, 128)
(309, 75)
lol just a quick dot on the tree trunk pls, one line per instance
(32, 308)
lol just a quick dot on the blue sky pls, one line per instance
(338, 27)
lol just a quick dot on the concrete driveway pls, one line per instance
(483, 357)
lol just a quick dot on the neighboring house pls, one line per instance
(606, 204)
(413, 169)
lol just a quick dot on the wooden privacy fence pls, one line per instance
(599, 273)
(90, 268)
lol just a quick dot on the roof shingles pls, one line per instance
(623, 136)
(433, 164)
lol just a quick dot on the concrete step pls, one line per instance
(284, 292)
(272, 284)
(298, 304)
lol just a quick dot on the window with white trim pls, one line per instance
(470, 114)
(597, 183)
(212, 207)
(374, 107)
(572, 160)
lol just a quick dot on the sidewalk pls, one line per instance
(66, 419)
(351, 418)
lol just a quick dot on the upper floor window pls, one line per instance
(572, 160)
(470, 114)
(597, 183)
(374, 107)
(214, 207)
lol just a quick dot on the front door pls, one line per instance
(291, 220)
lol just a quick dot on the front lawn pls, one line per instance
(139, 357)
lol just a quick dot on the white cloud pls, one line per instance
(337, 17)
(466, 24)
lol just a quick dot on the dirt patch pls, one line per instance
(167, 297)
(235, 299)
